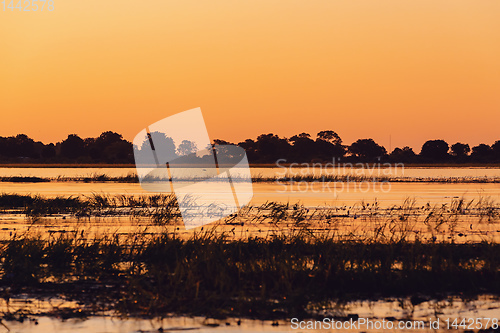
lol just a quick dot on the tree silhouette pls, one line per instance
(460, 150)
(435, 150)
(49, 151)
(270, 147)
(19, 146)
(367, 149)
(482, 153)
(221, 142)
(119, 152)
(158, 143)
(111, 147)
(495, 151)
(329, 145)
(73, 147)
(404, 155)
(250, 147)
(107, 139)
(329, 136)
(186, 147)
(303, 148)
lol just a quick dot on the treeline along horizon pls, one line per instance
(325, 146)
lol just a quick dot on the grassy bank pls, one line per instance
(212, 275)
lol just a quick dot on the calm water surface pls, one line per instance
(309, 194)
(421, 172)
(395, 310)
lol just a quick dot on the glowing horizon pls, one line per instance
(412, 71)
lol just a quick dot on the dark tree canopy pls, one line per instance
(303, 148)
(367, 149)
(403, 155)
(268, 147)
(460, 149)
(482, 153)
(73, 147)
(329, 136)
(495, 150)
(110, 147)
(435, 150)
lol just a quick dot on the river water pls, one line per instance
(309, 194)
(420, 185)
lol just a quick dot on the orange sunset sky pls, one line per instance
(412, 70)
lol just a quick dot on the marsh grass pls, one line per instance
(161, 208)
(211, 274)
(457, 219)
(310, 255)
(24, 179)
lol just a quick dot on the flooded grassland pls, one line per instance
(398, 246)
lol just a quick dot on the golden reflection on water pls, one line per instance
(395, 310)
(399, 171)
(309, 195)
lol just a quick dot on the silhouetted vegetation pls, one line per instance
(212, 275)
(109, 147)
(306, 260)
(327, 146)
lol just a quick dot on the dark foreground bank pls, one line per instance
(212, 275)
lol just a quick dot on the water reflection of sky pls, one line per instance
(469, 172)
(484, 306)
